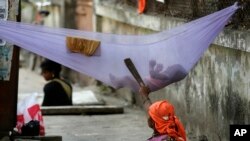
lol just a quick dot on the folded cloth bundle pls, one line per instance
(81, 45)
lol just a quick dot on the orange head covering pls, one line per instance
(162, 113)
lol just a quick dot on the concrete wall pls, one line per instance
(215, 93)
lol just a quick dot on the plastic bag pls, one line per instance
(29, 110)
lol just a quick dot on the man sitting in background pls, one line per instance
(57, 92)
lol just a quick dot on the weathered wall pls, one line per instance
(215, 93)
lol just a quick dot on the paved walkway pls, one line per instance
(130, 126)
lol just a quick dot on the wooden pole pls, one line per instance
(9, 88)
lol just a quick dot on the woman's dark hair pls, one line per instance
(51, 66)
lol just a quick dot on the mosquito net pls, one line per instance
(161, 59)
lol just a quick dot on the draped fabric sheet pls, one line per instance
(161, 58)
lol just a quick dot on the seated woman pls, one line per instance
(162, 119)
(57, 92)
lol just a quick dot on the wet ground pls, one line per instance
(129, 126)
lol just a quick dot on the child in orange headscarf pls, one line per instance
(162, 119)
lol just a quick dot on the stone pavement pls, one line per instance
(129, 126)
